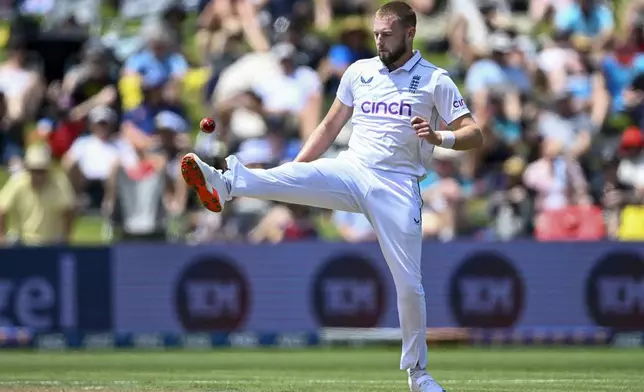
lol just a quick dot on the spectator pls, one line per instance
(11, 140)
(295, 92)
(490, 72)
(557, 180)
(311, 49)
(587, 18)
(40, 201)
(285, 222)
(174, 16)
(138, 125)
(556, 51)
(21, 82)
(159, 59)
(173, 145)
(503, 136)
(587, 85)
(619, 69)
(301, 225)
(510, 204)
(56, 125)
(92, 83)
(572, 129)
(471, 24)
(613, 195)
(90, 158)
(224, 18)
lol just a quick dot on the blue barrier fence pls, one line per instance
(132, 294)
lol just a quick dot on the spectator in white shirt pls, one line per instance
(90, 157)
(295, 92)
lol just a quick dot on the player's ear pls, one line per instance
(411, 33)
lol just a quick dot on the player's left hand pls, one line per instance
(424, 131)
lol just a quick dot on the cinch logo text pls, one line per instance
(395, 108)
(459, 103)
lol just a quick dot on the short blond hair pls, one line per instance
(399, 10)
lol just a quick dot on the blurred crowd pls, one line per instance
(96, 126)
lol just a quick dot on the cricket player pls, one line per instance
(395, 102)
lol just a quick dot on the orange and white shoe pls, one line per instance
(208, 182)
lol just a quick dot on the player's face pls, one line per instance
(391, 39)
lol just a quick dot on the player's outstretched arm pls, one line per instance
(464, 133)
(325, 133)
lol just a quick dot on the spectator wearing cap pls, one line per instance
(631, 166)
(138, 126)
(90, 158)
(295, 93)
(40, 200)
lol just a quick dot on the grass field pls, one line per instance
(332, 370)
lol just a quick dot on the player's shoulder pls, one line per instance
(427, 67)
(362, 65)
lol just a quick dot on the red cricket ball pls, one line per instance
(207, 125)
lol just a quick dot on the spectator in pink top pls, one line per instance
(557, 180)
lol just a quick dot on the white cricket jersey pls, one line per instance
(384, 103)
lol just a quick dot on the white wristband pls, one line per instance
(448, 139)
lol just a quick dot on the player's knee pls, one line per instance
(409, 290)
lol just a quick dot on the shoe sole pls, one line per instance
(193, 176)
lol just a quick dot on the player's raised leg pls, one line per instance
(400, 237)
(325, 183)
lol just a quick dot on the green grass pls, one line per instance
(337, 370)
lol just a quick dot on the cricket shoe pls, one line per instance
(208, 182)
(421, 381)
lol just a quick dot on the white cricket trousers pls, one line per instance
(391, 202)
